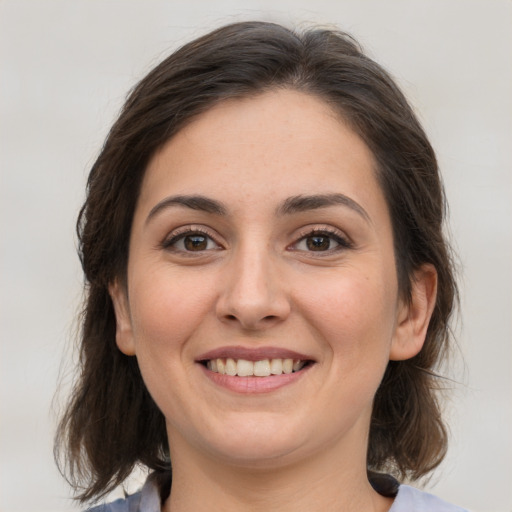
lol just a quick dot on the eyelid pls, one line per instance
(336, 234)
(181, 232)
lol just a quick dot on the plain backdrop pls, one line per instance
(65, 68)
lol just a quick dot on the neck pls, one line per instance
(319, 483)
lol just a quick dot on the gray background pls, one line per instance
(66, 67)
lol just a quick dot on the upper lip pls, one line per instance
(252, 354)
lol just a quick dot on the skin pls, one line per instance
(255, 282)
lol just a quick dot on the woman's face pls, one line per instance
(261, 300)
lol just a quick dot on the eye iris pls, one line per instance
(318, 243)
(195, 242)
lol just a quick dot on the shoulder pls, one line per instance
(129, 504)
(410, 499)
(146, 500)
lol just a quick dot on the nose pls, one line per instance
(253, 292)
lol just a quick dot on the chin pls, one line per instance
(258, 453)
(252, 441)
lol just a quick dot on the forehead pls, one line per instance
(279, 143)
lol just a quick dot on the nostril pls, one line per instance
(251, 323)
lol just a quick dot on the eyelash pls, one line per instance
(343, 242)
(170, 242)
(190, 231)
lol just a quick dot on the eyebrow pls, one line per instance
(304, 203)
(194, 202)
(291, 205)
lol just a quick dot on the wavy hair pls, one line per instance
(111, 423)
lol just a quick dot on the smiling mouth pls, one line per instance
(261, 368)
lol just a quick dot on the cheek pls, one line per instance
(167, 307)
(354, 312)
(167, 311)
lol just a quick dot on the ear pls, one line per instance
(124, 332)
(414, 317)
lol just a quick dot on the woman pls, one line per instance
(268, 285)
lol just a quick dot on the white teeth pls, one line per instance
(244, 368)
(297, 365)
(276, 366)
(221, 366)
(230, 366)
(262, 368)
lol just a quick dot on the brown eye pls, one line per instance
(191, 241)
(318, 243)
(321, 241)
(195, 242)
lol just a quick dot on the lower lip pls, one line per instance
(249, 385)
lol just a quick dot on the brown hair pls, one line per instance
(111, 422)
